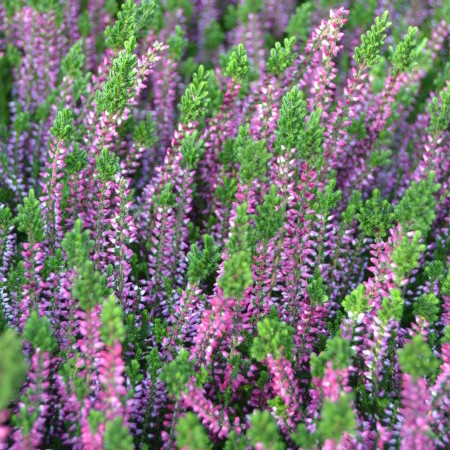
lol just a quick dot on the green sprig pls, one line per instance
(368, 53)
(195, 100)
(281, 58)
(238, 66)
(274, 337)
(417, 359)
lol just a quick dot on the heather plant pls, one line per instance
(224, 224)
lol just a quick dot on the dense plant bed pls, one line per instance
(224, 224)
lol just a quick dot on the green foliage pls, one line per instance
(439, 112)
(3, 321)
(237, 276)
(121, 85)
(327, 199)
(192, 150)
(11, 7)
(316, 289)
(338, 351)
(358, 127)
(354, 205)
(227, 156)
(79, 88)
(156, 22)
(392, 307)
(177, 43)
(304, 438)
(310, 145)
(13, 55)
(263, 432)
(145, 17)
(124, 28)
(128, 125)
(117, 436)
(53, 264)
(238, 65)
(368, 53)
(45, 5)
(136, 336)
(90, 287)
(70, 372)
(29, 218)
(84, 24)
(361, 14)
(445, 285)
(214, 35)
(112, 329)
(22, 122)
(405, 54)
(76, 160)
(214, 92)
(300, 23)
(43, 110)
(16, 280)
(337, 418)
(291, 120)
(8, 60)
(12, 367)
(6, 220)
(185, 5)
(230, 18)
(205, 262)
(76, 245)
(159, 330)
(177, 374)
(241, 237)
(356, 302)
(134, 372)
(166, 198)
(235, 441)
(195, 100)
(274, 337)
(427, 306)
(72, 64)
(417, 359)
(144, 133)
(252, 156)
(248, 7)
(107, 165)
(434, 271)
(406, 256)
(188, 67)
(416, 209)
(190, 433)
(25, 418)
(380, 158)
(293, 131)
(270, 216)
(154, 363)
(334, 325)
(375, 216)
(63, 129)
(281, 58)
(263, 379)
(226, 191)
(95, 418)
(37, 331)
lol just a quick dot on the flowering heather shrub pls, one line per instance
(224, 224)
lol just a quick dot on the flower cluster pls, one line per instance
(224, 224)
